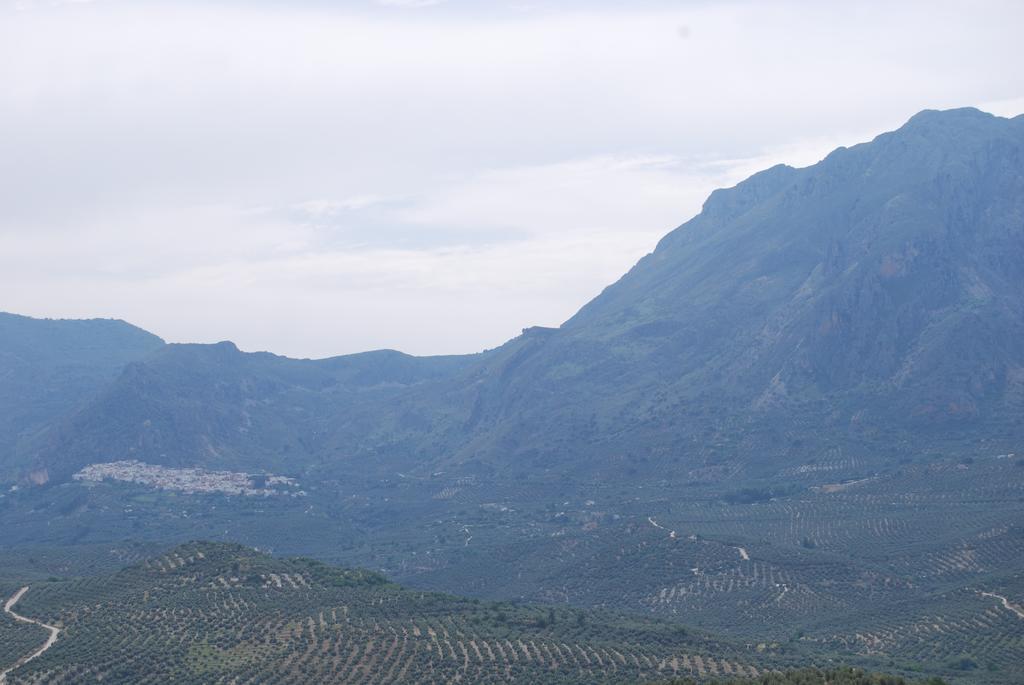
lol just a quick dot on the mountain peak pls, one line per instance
(958, 115)
(950, 126)
(845, 283)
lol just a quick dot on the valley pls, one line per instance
(907, 561)
(788, 436)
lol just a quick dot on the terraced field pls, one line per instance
(814, 676)
(961, 630)
(911, 561)
(208, 613)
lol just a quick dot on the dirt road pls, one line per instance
(54, 632)
(1006, 604)
(671, 533)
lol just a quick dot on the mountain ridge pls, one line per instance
(51, 366)
(828, 295)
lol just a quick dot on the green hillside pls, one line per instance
(215, 613)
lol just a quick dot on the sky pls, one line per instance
(317, 178)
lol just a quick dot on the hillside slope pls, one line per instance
(215, 406)
(48, 367)
(215, 613)
(875, 297)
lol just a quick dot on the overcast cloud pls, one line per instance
(317, 178)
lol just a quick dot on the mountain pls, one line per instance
(204, 613)
(796, 421)
(215, 406)
(49, 367)
(873, 301)
(875, 298)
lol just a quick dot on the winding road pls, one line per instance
(1007, 604)
(54, 632)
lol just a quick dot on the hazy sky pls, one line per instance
(315, 177)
